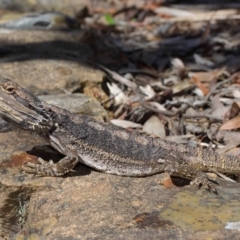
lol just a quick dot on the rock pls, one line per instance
(47, 62)
(93, 205)
(86, 204)
(41, 21)
(68, 7)
(77, 103)
(18, 146)
(49, 76)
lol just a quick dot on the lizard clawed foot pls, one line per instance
(42, 168)
(203, 180)
(50, 168)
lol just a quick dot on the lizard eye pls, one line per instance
(30, 107)
(10, 89)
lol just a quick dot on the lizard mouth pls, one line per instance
(23, 114)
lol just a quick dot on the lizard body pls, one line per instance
(102, 146)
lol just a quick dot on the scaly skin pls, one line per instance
(105, 147)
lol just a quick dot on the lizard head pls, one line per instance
(20, 107)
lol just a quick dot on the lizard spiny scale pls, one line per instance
(105, 147)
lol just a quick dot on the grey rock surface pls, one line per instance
(77, 103)
(86, 204)
(47, 62)
(66, 6)
(91, 205)
(18, 146)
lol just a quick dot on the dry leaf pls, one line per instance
(232, 112)
(119, 78)
(148, 91)
(236, 77)
(231, 124)
(154, 126)
(203, 61)
(125, 123)
(117, 93)
(219, 110)
(206, 77)
(200, 85)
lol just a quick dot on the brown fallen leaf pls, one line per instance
(206, 77)
(231, 124)
(200, 85)
(232, 112)
(236, 77)
(235, 151)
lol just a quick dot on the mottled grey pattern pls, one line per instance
(103, 146)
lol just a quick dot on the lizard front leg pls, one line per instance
(50, 168)
(198, 177)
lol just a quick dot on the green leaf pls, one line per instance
(109, 19)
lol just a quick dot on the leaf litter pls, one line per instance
(172, 71)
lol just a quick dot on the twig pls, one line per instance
(119, 78)
(215, 87)
(173, 114)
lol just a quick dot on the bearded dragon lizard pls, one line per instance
(105, 147)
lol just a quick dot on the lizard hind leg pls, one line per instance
(44, 168)
(200, 178)
(204, 180)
